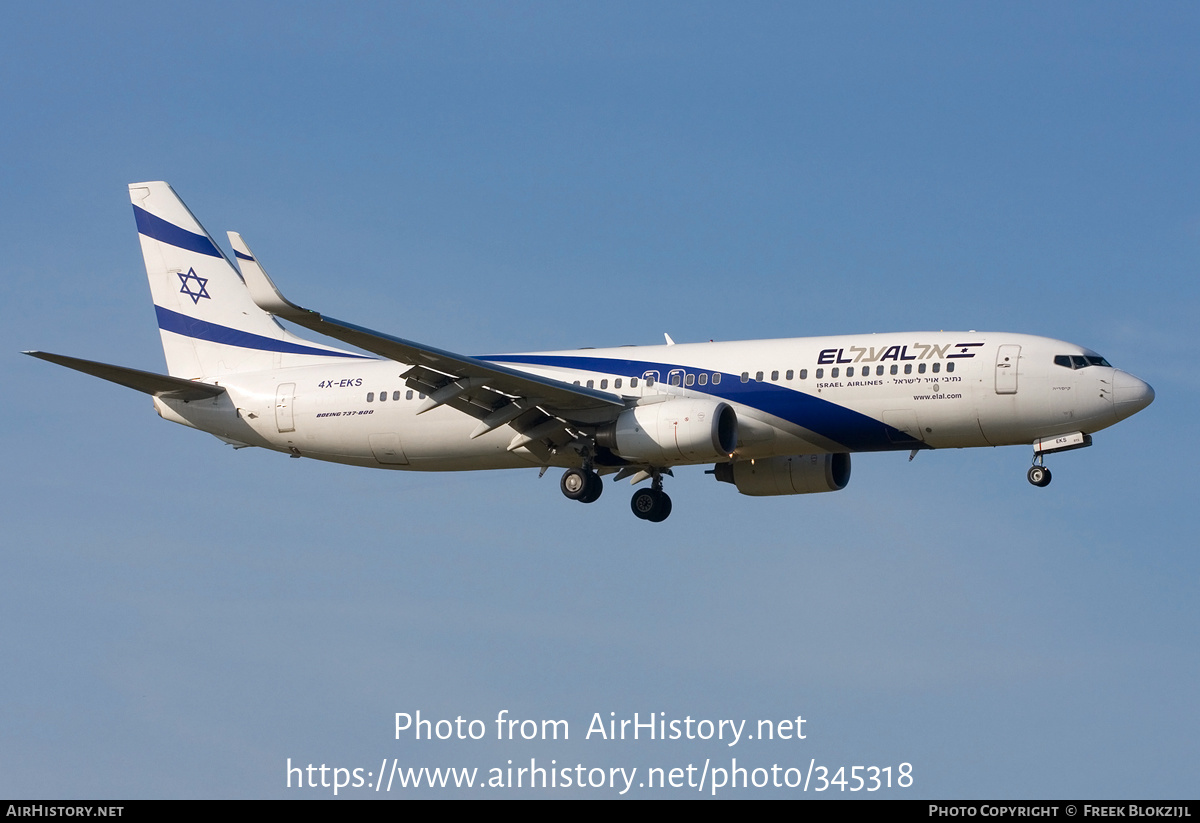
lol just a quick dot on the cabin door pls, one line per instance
(1007, 358)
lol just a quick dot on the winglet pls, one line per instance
(262, 290)
(670, 342)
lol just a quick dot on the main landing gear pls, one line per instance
(582, 485)
(651, 504)
(585, 485)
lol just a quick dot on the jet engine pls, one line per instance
(679, 429)
(799, 474)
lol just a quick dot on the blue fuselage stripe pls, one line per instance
(158, 229)
(202, 330)
(854, 430)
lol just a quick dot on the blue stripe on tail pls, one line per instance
(158, 229)
(214, 333)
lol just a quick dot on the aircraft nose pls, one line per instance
(1130, 394)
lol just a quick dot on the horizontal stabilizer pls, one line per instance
(159, 385)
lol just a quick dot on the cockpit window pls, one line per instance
(1080, 361)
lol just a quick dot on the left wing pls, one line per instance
(540, 409)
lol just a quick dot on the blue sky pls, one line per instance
(180, 619)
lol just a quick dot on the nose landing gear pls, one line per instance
(1039, 475)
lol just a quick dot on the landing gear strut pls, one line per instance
(651, 504)
(582, 485)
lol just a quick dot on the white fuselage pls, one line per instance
(773, 417)
(869, 392)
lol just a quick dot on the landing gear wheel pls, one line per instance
(581, 485)
(574, 484)
(644, 503)
(1039, 476)
(595, 488)
(664, 509)
(651, 504)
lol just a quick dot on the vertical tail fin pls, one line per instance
(209, 324)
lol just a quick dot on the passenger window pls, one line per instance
(649, 382)
(950, 367)
(703, 378)
(879, 371)
(576, 383)
(591, 384)
(716, 378)
(937, 367)
(604, 384)
(849, 371)
(745, 377)
(789, 374)
(804, 374)
(758, 377)
(895, 368)
(820, 373)
(382, 396)
(675, 379)
(921, 369)
(689, 379)
(833, 373)
(908, 368)
(633, 382)
(370, 397)
(421, 396)
(617, 383)
(775, 375)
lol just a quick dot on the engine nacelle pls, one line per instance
(800, 474)
(677, 430)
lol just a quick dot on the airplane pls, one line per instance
(772, 417)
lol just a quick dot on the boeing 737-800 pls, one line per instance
(771, 416)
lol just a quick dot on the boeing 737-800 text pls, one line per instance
(772, 416)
